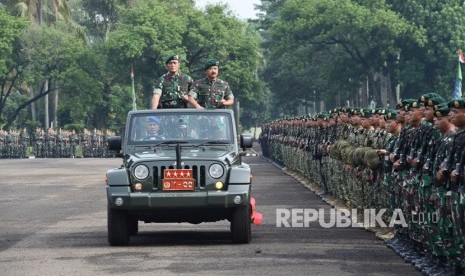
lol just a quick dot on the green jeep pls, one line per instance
(179, 165)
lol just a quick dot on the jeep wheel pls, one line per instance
(240, 225)
(133, 226)
(118, 230)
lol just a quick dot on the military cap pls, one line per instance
(390, 114)
(413, 104)
(457, 103)
(175, 57)
(211, 62)
(404, 104)
(354, 111)
(365, 112)
(153, 119)
(322, 115)
(431, 99)
(441, 110)
(380, 111)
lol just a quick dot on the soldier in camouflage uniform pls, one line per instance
(398, 157)
(425, 135)
(24, 140)
(437, 152)
(211, 92)
(393, 127)
(454, 194)
(441, 184)
(171, 89)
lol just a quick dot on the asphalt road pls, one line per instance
(53, 222)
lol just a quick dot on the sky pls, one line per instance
(244, 9)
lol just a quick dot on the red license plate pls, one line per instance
(178, 180)
(178, 184)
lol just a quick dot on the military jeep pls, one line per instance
(187, 170)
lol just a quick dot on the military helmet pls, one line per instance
(372, 159)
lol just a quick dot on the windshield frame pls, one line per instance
(224, 122)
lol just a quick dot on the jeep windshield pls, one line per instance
(165, 128)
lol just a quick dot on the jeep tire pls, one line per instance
(240, 225)
(118, 230)
(133, 226)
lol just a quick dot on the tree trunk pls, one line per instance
(39, 12)
(46, 116)
(33, 104)
(55, 109)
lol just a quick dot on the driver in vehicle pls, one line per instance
(153, 130)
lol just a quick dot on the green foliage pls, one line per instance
(79, 128)
(433, 66)
(9, 33)
(333, 47)
(338, 43)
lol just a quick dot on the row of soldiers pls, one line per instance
(410, 158)
(53, 143)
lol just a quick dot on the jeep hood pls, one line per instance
(185, 153)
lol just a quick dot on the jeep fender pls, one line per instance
(117, 177)
(240, 174)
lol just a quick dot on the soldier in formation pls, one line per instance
(53, 143)
(410, 158)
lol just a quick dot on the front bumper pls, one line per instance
(170, 200)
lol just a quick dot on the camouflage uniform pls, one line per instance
(209, 93)
(171, 88)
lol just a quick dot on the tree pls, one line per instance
(341, 43)
(431, 67)
(49, 51)
(10, 66)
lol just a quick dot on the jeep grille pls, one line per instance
(198, 172)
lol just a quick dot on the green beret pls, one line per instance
(390, 114)
(431, 99)
(404, 104)
(381, 111)
(365, 112)
(441, 110)
(457, 103)
(322, 115)
(175, 57)
(413, 104)
(211, 62)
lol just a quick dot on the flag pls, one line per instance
(133, 90)
(461, 58)
(458, 80)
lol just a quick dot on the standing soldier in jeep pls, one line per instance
(171, 89)
(211, 92)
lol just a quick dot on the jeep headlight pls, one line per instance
(216, 170)
(141, 172)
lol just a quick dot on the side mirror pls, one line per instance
(246, 141)
(114, 143)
